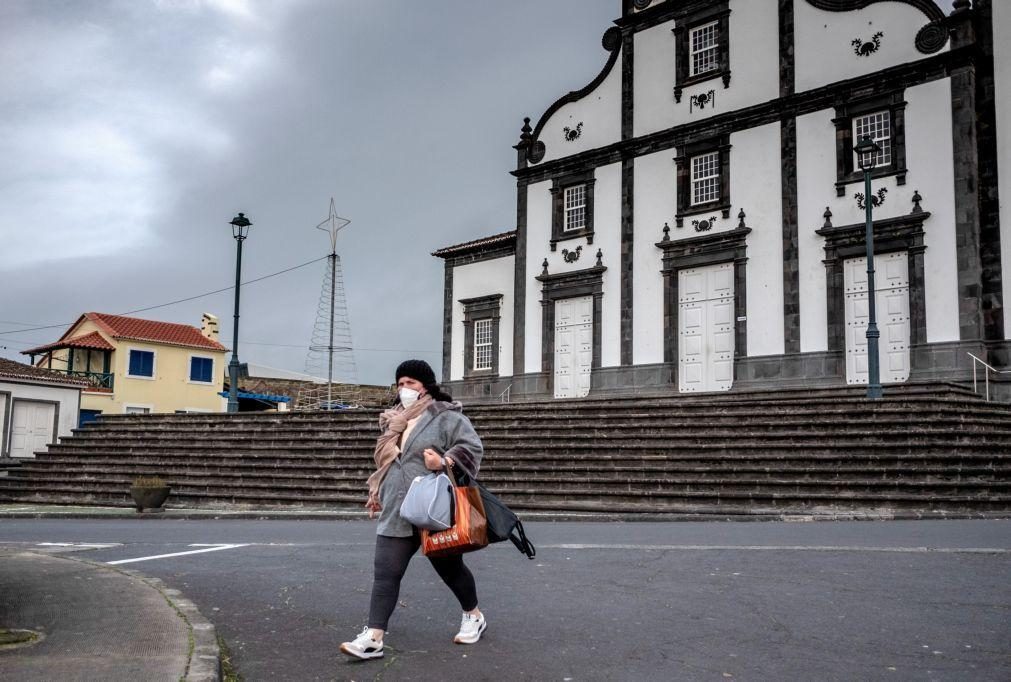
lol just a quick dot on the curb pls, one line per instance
(204, 663)
(121, 513)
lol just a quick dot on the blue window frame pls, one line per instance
(141, 363)
(201, 369)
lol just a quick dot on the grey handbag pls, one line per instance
(429, 502)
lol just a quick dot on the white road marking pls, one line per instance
(792, 548)
(88, 545)
(215, 548)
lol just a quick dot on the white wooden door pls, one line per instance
(706, 328)
(573, 346)
(31, 427)
(891, 280)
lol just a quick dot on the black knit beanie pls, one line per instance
(419, 370)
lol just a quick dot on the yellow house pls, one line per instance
(139, 366)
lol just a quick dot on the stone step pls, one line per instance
(618, 502)
(612, 425)
(600, 465)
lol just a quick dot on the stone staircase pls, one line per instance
(924, 449)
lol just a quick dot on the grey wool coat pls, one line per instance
(443, 428)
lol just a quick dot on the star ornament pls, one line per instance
(333, 224)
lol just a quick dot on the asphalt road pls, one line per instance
(902, 600)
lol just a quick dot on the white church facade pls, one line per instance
(693, 219)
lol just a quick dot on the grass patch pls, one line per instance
(228, 671)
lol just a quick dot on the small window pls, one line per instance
(881, 118)
(705, 48)
(701, 44)
(130, 409)
(141, 363)
(201, 369)
(481, 335)
(482, 344)
(572, 208)
(575, 207)
(705, 178)
(878, 127)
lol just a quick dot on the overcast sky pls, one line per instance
(131, 133)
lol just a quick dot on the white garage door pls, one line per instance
(891, 280)
(706, 328)
(573, 346)
(31, 427)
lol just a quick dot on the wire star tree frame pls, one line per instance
(331, 352)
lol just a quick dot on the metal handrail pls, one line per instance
(505, 395)
(986, 374)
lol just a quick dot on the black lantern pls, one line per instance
(240, 226)
(867, 153)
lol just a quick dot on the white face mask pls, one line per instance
(408, 396)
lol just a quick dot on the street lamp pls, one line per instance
(240, 229)
(867, 157)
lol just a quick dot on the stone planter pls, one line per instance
(150, 499)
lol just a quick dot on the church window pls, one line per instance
(705, 178)
(482, 344)
(883, 119)
(705, 48)
(481, 335)
(572, 207)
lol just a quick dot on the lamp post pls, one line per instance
(240, 229)
(867, 151)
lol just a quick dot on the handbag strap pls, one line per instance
(449, 472)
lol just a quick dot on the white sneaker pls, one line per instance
(364, 646)
(471, 628)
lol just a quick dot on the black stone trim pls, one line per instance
(846, 111)
(500, 251)
(520, 279)
(447, 322)
(558, 231)
(627, 258)
(711, 249)
(928, 7)
(474, 309)
(987, 169)
(791, 237)
(891, 79)
(588, 282)
(818, 369)
(689, 150)
(904, 233)
(717, 11)
(932, 37)
(787, 67)
(612, 42)
(627, 85)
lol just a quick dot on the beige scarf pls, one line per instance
(392, 422)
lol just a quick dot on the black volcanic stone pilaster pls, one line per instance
(989, 199)
(791, 249)
(627, 259)
(627, 264)
(520, 278)
(967, 237)
(447, 322)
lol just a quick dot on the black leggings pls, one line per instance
(392, 557)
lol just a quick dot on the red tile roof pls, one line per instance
(12, 369)
(136, 329)
(476, 245)
(94, 341)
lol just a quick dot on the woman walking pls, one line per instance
(424, 431)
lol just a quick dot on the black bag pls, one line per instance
(503, 524)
